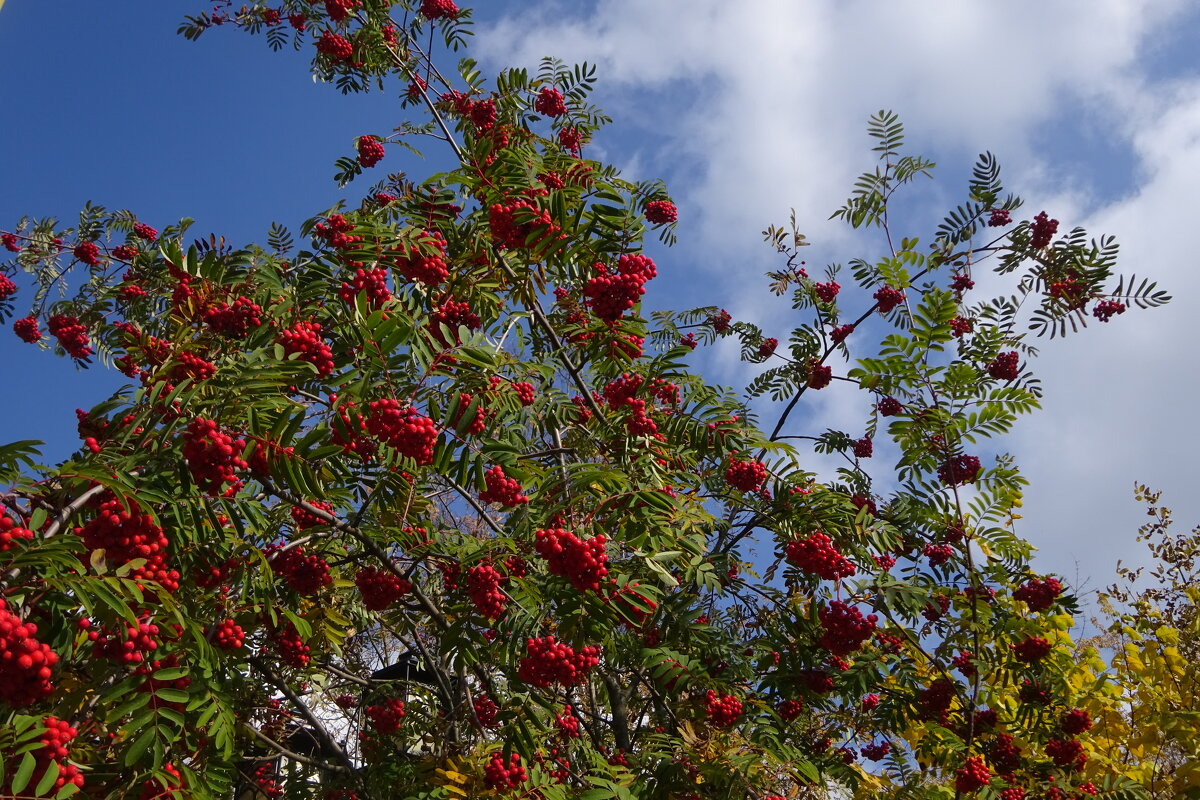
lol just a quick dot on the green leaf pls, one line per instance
(24, 773)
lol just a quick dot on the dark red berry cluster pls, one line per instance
(305, 519)
(841, 333)
(999, 218)
(1043, 231)
(1005, 367)
(1106, 309)
(790, 709)
(889, 407)
(584, 564)
(380, 588)
(502, 489)
(550, 102)
(25, 662)
(125, 534)
(1032, 649)
(486, 710)
(483, 587)
(660, 212)
(306, 574)
(938, 554)
(27, 329)
(845, 628)
(88, 253)
(213, 457)
(887, 298)
(423, 262)
(960, 283)
(935, 700)
(387, 718)
(972, 776)
(337, 47)
(405, 430)
(723, 710)
(877, 752)
(745, 475)
(819, 375)
(1076, 721)
(827, 292)
(228, 635)
(292, 649)
(1066, 753)
(548, 662)
(766, 348)
(613, 292)
(304, 340)
(959, 469)
(453, 314)
(70, 334)
(10, 242)
(960, 327)
(7, 287)
(525, 393)
(816, 554)
(864, 448)
(720, 321)
(10, 533)
(1038, 594)
(499, 775)
(234, 320)
(371, 282)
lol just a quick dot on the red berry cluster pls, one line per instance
(611, 293)
(938, 554)
(213, 457)
(483, 587)
(525, 393)
(1005, 366)
(158, 789)
(306, 574)
(964, 662)
(550, 102)
(337, 232)
(144, 231)
(935, 700)
(292, 649)
(960, 327)
(499, 775)
(502, 489)
(387, 718)
(1043, 231)
(999, 218)
(959, 469)
(972, 776)
(134, 645)
(305, 519)
(192, 366)
(53, 741)
(1004, 754)
(70, 334)
(660, 212)
(228, 635)
(337, 47)
(7, 287)
(438, 9)
(819, 375)
(1076, 721)
(126, 252)
(571, 138)
(720, 321)
(372, 282)
(845, 628)
(478, 423)
(567, 723)
(549, 662)
(790, 710)
(840, 333)
(766, 348)
(1038, 594)
(877, 752)
(339, 10)
(827, 292)
(27, 329)
(10, 242)
(125, 534)
(745, 475)
(380, 588)
(864, 448)
(1106, 309)
(234, 320)
(723, 709)
(88, 253)
(514, 235)
(887, 298)
(24, 661)
(486, 710)
(816, 554)
(266, 781)
(304, 339)
(10, 533)
(414, 263)
(1032, 649)
(454, 315)
(889, 407)
(960, 283)
(584, 564)
(405, 430)
(1066, 753)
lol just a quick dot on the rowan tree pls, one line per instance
(417, 503)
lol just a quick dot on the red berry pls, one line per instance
(660, 212)
(550, 103)
(370, 150)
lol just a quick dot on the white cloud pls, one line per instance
(764, 105)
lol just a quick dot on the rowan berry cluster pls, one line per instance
(88, 253)
(864, 448)
(550, 102)
(53, 750)
(1005, 366)
(1043, 230)
(306, 574)
(125, 534)
(266, 781)
(548, 662)
(790, 709)
(816, 554)
(305, 519)
(845, 628)
(571, 138)
(1066, 753)
(405, 430)
(10, 533)
(70, 334)
(478, 422)
(999, 218)
(336, 232)
(887, 298)
(766, 348)
(234, 320)
(10, 242)
(502, 489)
(938, 554)
(876, 752)
(213, 457)
(960, 327)
(1032, 649)
(380, 588)
(158, 789)
(133, 645)
(720, 321)
(972, 776)
(514, 235)
(292, 649)
(1038, 594)
(611, 293)
(819, 375)
(337, 47)
(660, 212)
(388, 717)
(745, 475)
(502, 776)
(228, 635)
(372, 282)
(483, 587)
(453, 314)
(723, 710)
(1106, 309)
(7, 287)
(1004, 754)
(304, 340)
(567, 723)
(486, 710)
(1076, 721)
(25, 662)
(525, 393)
(584, 564)
(416, 263)
(840, 333)
(889, 407)
(27, 330)
(959, 469)
(827, 292)
(934, 701)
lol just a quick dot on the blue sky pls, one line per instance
(746, 110)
